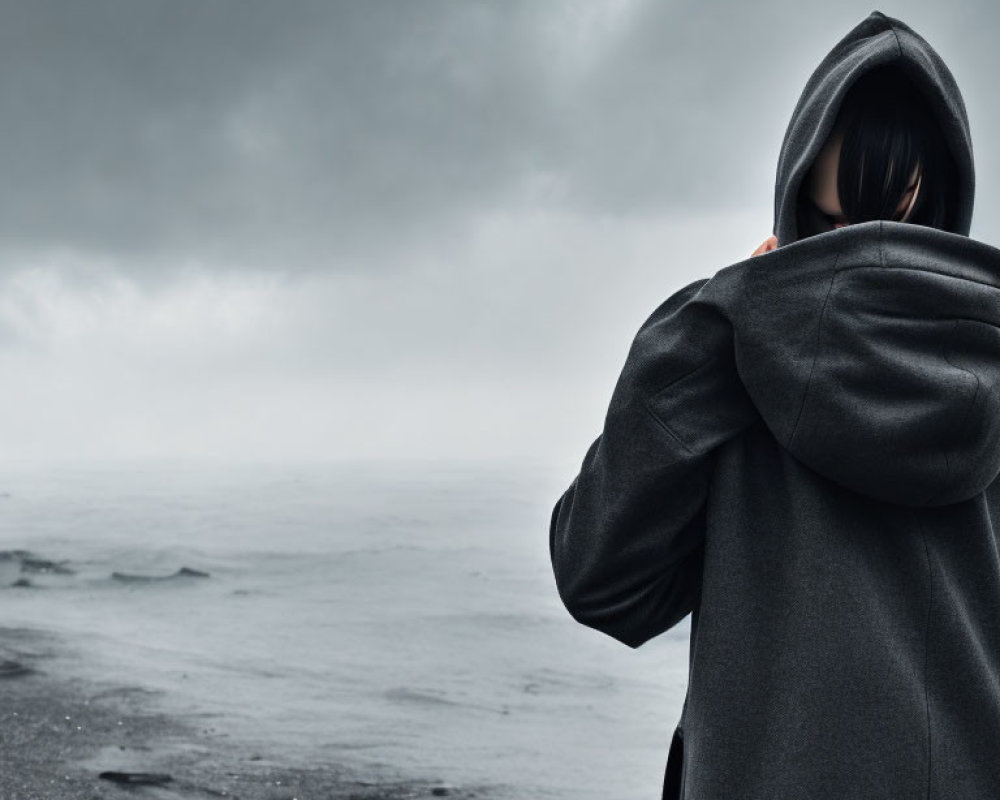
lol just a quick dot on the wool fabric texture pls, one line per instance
(802, 453)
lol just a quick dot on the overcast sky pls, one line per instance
(287, 229)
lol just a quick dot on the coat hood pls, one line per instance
(876, 41)
(872, 353)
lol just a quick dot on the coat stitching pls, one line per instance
(899, 46)
(968, 409)
(648, 402)
(927, 639)
(812, 367)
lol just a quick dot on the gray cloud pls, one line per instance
(303, 133)
(339, 135)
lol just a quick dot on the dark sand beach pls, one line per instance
(65, 738)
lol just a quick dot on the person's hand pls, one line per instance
(769, 244)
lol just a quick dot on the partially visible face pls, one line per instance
(821, 185)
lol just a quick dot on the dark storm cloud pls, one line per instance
(210, 129)
(348, 135)
(337, 135)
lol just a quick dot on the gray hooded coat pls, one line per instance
(802, 452)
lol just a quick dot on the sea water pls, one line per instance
(398, 617)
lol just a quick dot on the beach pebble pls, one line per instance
(137, 778)
(35, 564)
(13, 669)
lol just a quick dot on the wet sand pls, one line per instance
(59, 734)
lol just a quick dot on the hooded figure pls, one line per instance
(802, 452)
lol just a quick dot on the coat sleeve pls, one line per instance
(626, 539)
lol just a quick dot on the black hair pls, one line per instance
(888, 129)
